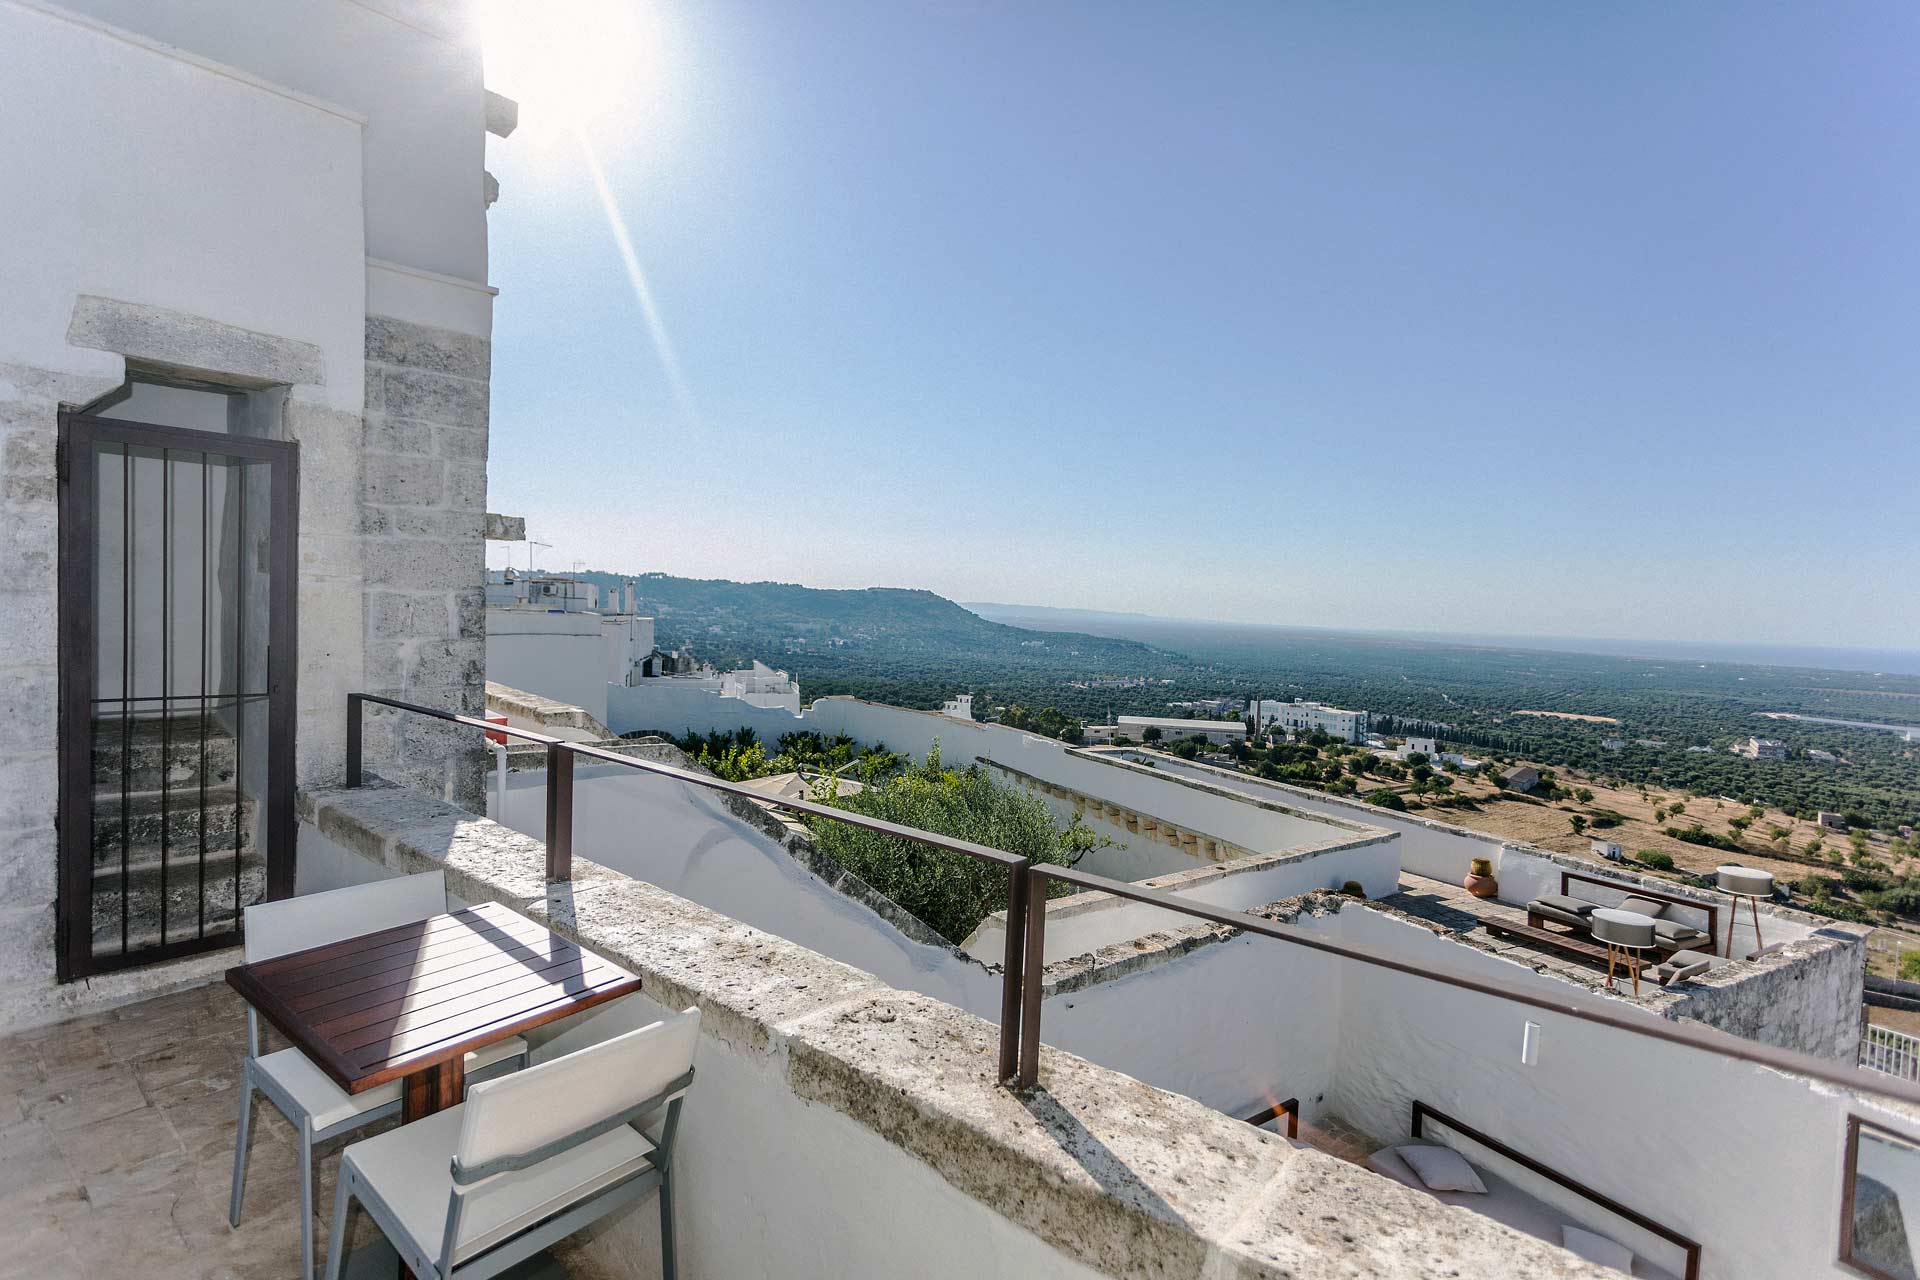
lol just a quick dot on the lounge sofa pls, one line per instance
(1670, 935)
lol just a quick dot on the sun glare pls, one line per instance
(570, 63)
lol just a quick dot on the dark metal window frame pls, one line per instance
(79, 432)
(1848, 1171)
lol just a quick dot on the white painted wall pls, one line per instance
(770, 1188)
(84, 218)
(1239, 1025)
(562, 656)
(411, 67)
(683, 839)
(1087, 922)
(1745, 1160)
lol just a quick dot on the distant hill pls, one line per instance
(917, 636)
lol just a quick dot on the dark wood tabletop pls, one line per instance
(409, 1003)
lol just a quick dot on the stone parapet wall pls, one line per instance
(838, 1126)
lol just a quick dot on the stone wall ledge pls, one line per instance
(1127, 1179)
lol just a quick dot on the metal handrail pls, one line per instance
(559, 837)
(1687, 1035)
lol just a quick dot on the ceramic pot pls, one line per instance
(1480, 882)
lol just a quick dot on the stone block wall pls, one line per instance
(422, 501)
(30, 402)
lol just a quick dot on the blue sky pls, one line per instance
(1531, 319)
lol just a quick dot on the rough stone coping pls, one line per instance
(504, 699)
(1122, 959)
(1090, 900)
(1130, 1180)
(191, 343)
(408, 832)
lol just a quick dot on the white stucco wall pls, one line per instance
(770, 1188)
(562, 656)
(1746, 1160)
(83, 218)
(684, 840)
(411, 67)
(1240, 1025)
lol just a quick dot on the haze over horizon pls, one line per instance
(1502, 320)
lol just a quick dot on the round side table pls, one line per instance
(1744, 882)
(1626, 932)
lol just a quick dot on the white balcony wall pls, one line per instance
(684, 840)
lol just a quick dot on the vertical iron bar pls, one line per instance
(239, 678)
(206, 505)
(1012, 986)
(559, 814)
(1033, 978)
(166, 675)
(355, 712)
(126, 680)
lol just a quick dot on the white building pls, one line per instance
(1301, 716)
(1171, 728)
(1762, 749)
(1427, 747)
(246, 297)
(959, 706)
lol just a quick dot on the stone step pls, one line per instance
(146, 749)
(145, 818)
(182, 894)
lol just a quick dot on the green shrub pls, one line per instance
(1657, 860)
(1901, 902)
(1910, 966)
(1353, 889)
(949, 891)
(1861, 881)
(1386, 799)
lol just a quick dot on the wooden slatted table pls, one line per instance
(409, 1003)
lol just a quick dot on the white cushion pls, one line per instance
(313, 1092)
(1597, 1248)
(411, 1168)
(1441, 1168)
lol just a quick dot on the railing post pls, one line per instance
(355, 713)
(1012, 984)
(559, 814)
(1034, 979)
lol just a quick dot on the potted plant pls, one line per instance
(1480, 882)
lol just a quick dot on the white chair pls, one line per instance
(310, 1100)
(527, 1159)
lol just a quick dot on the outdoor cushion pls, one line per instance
(1645, 906)
(1677, 932)
(1441, 1168)
(1561, 902)
(1684, 965)
(1597, 1248)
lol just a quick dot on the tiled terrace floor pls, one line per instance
(116, 1150)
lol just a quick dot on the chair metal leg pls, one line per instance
(241, 1134)
(668, 1269)
(306, 1202)
(337, 1238)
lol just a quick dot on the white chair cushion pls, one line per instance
(312, 1091)
(411, 1169)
